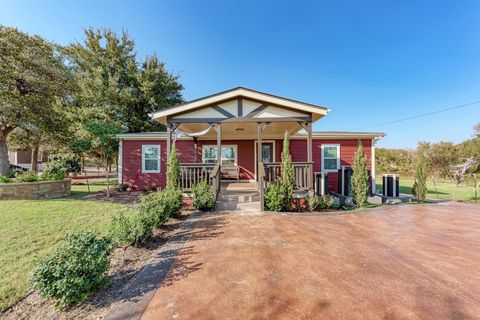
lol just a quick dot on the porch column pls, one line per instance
(309, 154)
(169, 138)
(219, 142)
(259, 163)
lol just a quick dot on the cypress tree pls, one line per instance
(173, 169)
(360, 178)
(419, 189)
(287, 178)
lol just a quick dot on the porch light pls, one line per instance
(239, 129)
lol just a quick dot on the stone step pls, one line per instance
(239, 198)
(253, 206)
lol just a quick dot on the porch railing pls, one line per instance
(303, 172)
(193, 173)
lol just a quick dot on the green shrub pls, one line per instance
(132, 230)
(203, 196)
(75, 269)
(287, 178)
(153, 205)
(313, 202)
(173, 199)
(320, 202)
(419, 189)
(54, 175)
(275, 197)
(360, 178)
(122, 187)
(326, 202)
(63, 162)
(5, 180)
(28, 176)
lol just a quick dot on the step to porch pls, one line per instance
(238, 196)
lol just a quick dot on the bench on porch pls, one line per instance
(230, 172)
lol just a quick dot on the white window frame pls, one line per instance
(234, 146)
(144, 147)
(323, 157)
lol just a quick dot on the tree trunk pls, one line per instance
(34, 161)
(83, 164)
(4, 163)
(108, 182)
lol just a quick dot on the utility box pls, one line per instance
(345, 181)
(391, 185)
(321, 183)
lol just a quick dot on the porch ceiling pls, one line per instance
(243, 130)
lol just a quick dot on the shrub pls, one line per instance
(132, 230)
(203, 196)
(28, 176)
(54, 175)
(173, 169)
(63, 162)
(313, 202)
(5, 180)
(360, 178)
(122, 187)
(274, 197)
(74, 270)
(419, 189)
(326, 202)
(153, 205)
(287, 178)
(173, 200)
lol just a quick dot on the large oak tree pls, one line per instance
(34, 85)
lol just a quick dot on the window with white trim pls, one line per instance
(330, 157)
(229, 154)
(151, 158)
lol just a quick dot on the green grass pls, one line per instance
(30, 229)
(444, 189)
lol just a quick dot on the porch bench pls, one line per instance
(230, 172)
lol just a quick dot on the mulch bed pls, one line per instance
(125, 264)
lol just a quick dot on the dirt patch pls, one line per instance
(125, 264)
(124, 197)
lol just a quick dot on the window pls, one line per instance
(151, 158)
(330, 157)
(229, 154)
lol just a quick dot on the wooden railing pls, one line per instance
(303, 174)
(193, 173)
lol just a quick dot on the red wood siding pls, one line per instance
(348, 147)
(132, 157)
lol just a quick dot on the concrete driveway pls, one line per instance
(397, 262)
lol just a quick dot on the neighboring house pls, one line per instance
(237, 119)
(23, 158)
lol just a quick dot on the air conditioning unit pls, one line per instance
(321, 183)
(345, 180)
(391, 185)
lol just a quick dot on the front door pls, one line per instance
(267, 154)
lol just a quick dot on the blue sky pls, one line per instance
(369, 61)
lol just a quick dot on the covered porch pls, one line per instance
(230, 130)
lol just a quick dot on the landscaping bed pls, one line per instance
(125, 264)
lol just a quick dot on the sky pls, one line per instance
(370, 62)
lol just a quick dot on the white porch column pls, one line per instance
(372, 170)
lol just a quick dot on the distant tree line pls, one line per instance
(439, 157)
(76, 98)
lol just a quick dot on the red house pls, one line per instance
(243, 123)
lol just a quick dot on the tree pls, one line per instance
(114, 86)
(287, 178)
(419, 189)
(476, 129)
(103, 145)
(173, 169)
(360, 178)
(35, 86)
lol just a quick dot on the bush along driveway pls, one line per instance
(395, 262)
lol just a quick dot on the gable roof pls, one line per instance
(317, 111)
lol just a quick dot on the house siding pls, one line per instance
(132, 157)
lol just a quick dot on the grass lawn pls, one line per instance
(444, 189)
(30, 229)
